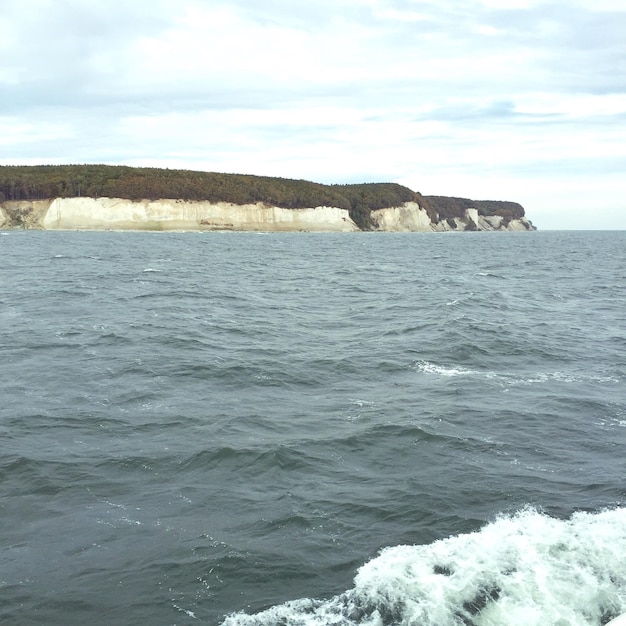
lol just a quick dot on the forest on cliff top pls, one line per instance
(38, 182)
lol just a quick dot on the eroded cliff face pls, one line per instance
(119, 214)
(412, 218)
(409, 217)
(495, 222)
(23, 213)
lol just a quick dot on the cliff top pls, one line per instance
(21, 182)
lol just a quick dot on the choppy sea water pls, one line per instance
(310, 429)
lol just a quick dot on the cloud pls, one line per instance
(493, 97)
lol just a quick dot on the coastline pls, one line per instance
(104, 213)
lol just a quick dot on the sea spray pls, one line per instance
(528, 569)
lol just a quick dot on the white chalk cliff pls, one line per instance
(118, 214)
(410, 217)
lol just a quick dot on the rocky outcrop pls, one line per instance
(24, 213)
(496, 222)
(410, 217)
(120, 214)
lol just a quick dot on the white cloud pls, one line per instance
(478, 98)
(510, 5)
(13, 131)
(572, 105)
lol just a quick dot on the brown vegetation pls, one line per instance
(447, 207)
(63, 181)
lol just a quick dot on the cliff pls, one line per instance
(120, 214)
(169, 215)
(99, 197)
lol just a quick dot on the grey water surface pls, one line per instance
(194, 425)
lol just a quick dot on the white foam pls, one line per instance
(187, 612)
(511, 380)
(431, 368)
(361, 403)
(525, 570)
(563, 377)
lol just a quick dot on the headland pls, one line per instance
(101, 197)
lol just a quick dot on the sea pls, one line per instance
(308, 429)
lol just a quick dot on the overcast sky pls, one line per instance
(521, 100)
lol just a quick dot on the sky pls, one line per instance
(521, 100)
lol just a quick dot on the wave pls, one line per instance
(426, 367)
(526, 569)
